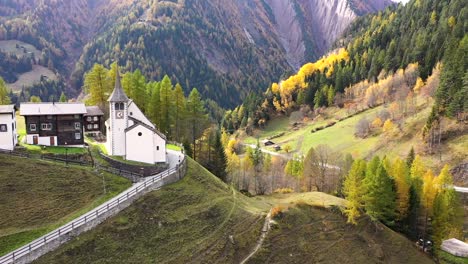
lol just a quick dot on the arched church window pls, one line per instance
(119, 106)
(140, 134)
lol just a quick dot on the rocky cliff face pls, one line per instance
(307, 28)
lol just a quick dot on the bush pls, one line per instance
(276, 211)
(284, 190)
(362, 128)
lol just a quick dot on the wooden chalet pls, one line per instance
(93, 120)
(54, 124)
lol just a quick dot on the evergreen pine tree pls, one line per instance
(219, 160)
(154, 106)
(410, 158)
(179, 111)
(196, 118)
(166, 102)
(380, 199)
(63, 98)
(4, 98)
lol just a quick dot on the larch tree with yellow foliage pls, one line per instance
(354, 191)
(399, 172)
(447, 210)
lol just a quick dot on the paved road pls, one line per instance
(461, 189)
(174, 157)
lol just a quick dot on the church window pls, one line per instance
(157, 147)
(3, 128)
(96, 126)
(32, 127)
(77, 125)
(90, 126)
(89, 119)
(77, 136)
(119, 106)
(140, 134)
(96, 118)
(131, 113)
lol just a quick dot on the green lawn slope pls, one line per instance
(198, 219)
(37, 197)
(308, 234)
(202, 220)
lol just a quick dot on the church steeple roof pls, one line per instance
(118, 95)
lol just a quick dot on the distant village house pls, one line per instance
(8, 130)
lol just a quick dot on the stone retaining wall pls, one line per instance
(145, 171)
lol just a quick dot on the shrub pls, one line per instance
(362, 128)
(284, 190)
(377, 122)
(276, 211)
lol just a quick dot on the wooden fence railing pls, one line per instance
(137, 188)
(133, 176)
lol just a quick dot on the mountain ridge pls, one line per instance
(225, 48)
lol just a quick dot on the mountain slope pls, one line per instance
(202, 220)
(224, 48)
(308, 234)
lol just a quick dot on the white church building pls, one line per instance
(129, 132)
(8, 130)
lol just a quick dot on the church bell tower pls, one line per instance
(118, 106)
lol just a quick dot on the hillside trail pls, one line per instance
(214, 232)
(261, 239)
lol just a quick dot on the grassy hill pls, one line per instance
(26, 79)
(37, 197)
(341, 137)
(202, 220)
(30, 78)
(307, 234)
(19, 48)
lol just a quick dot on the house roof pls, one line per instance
(455, 247)
(34, 109)
(7, 109)
(93, 111)
(118, 95)
(139, 123)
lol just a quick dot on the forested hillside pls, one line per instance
(225, 48)
(421, 33)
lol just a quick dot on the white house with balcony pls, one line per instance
(130, 134)
(8, 130)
